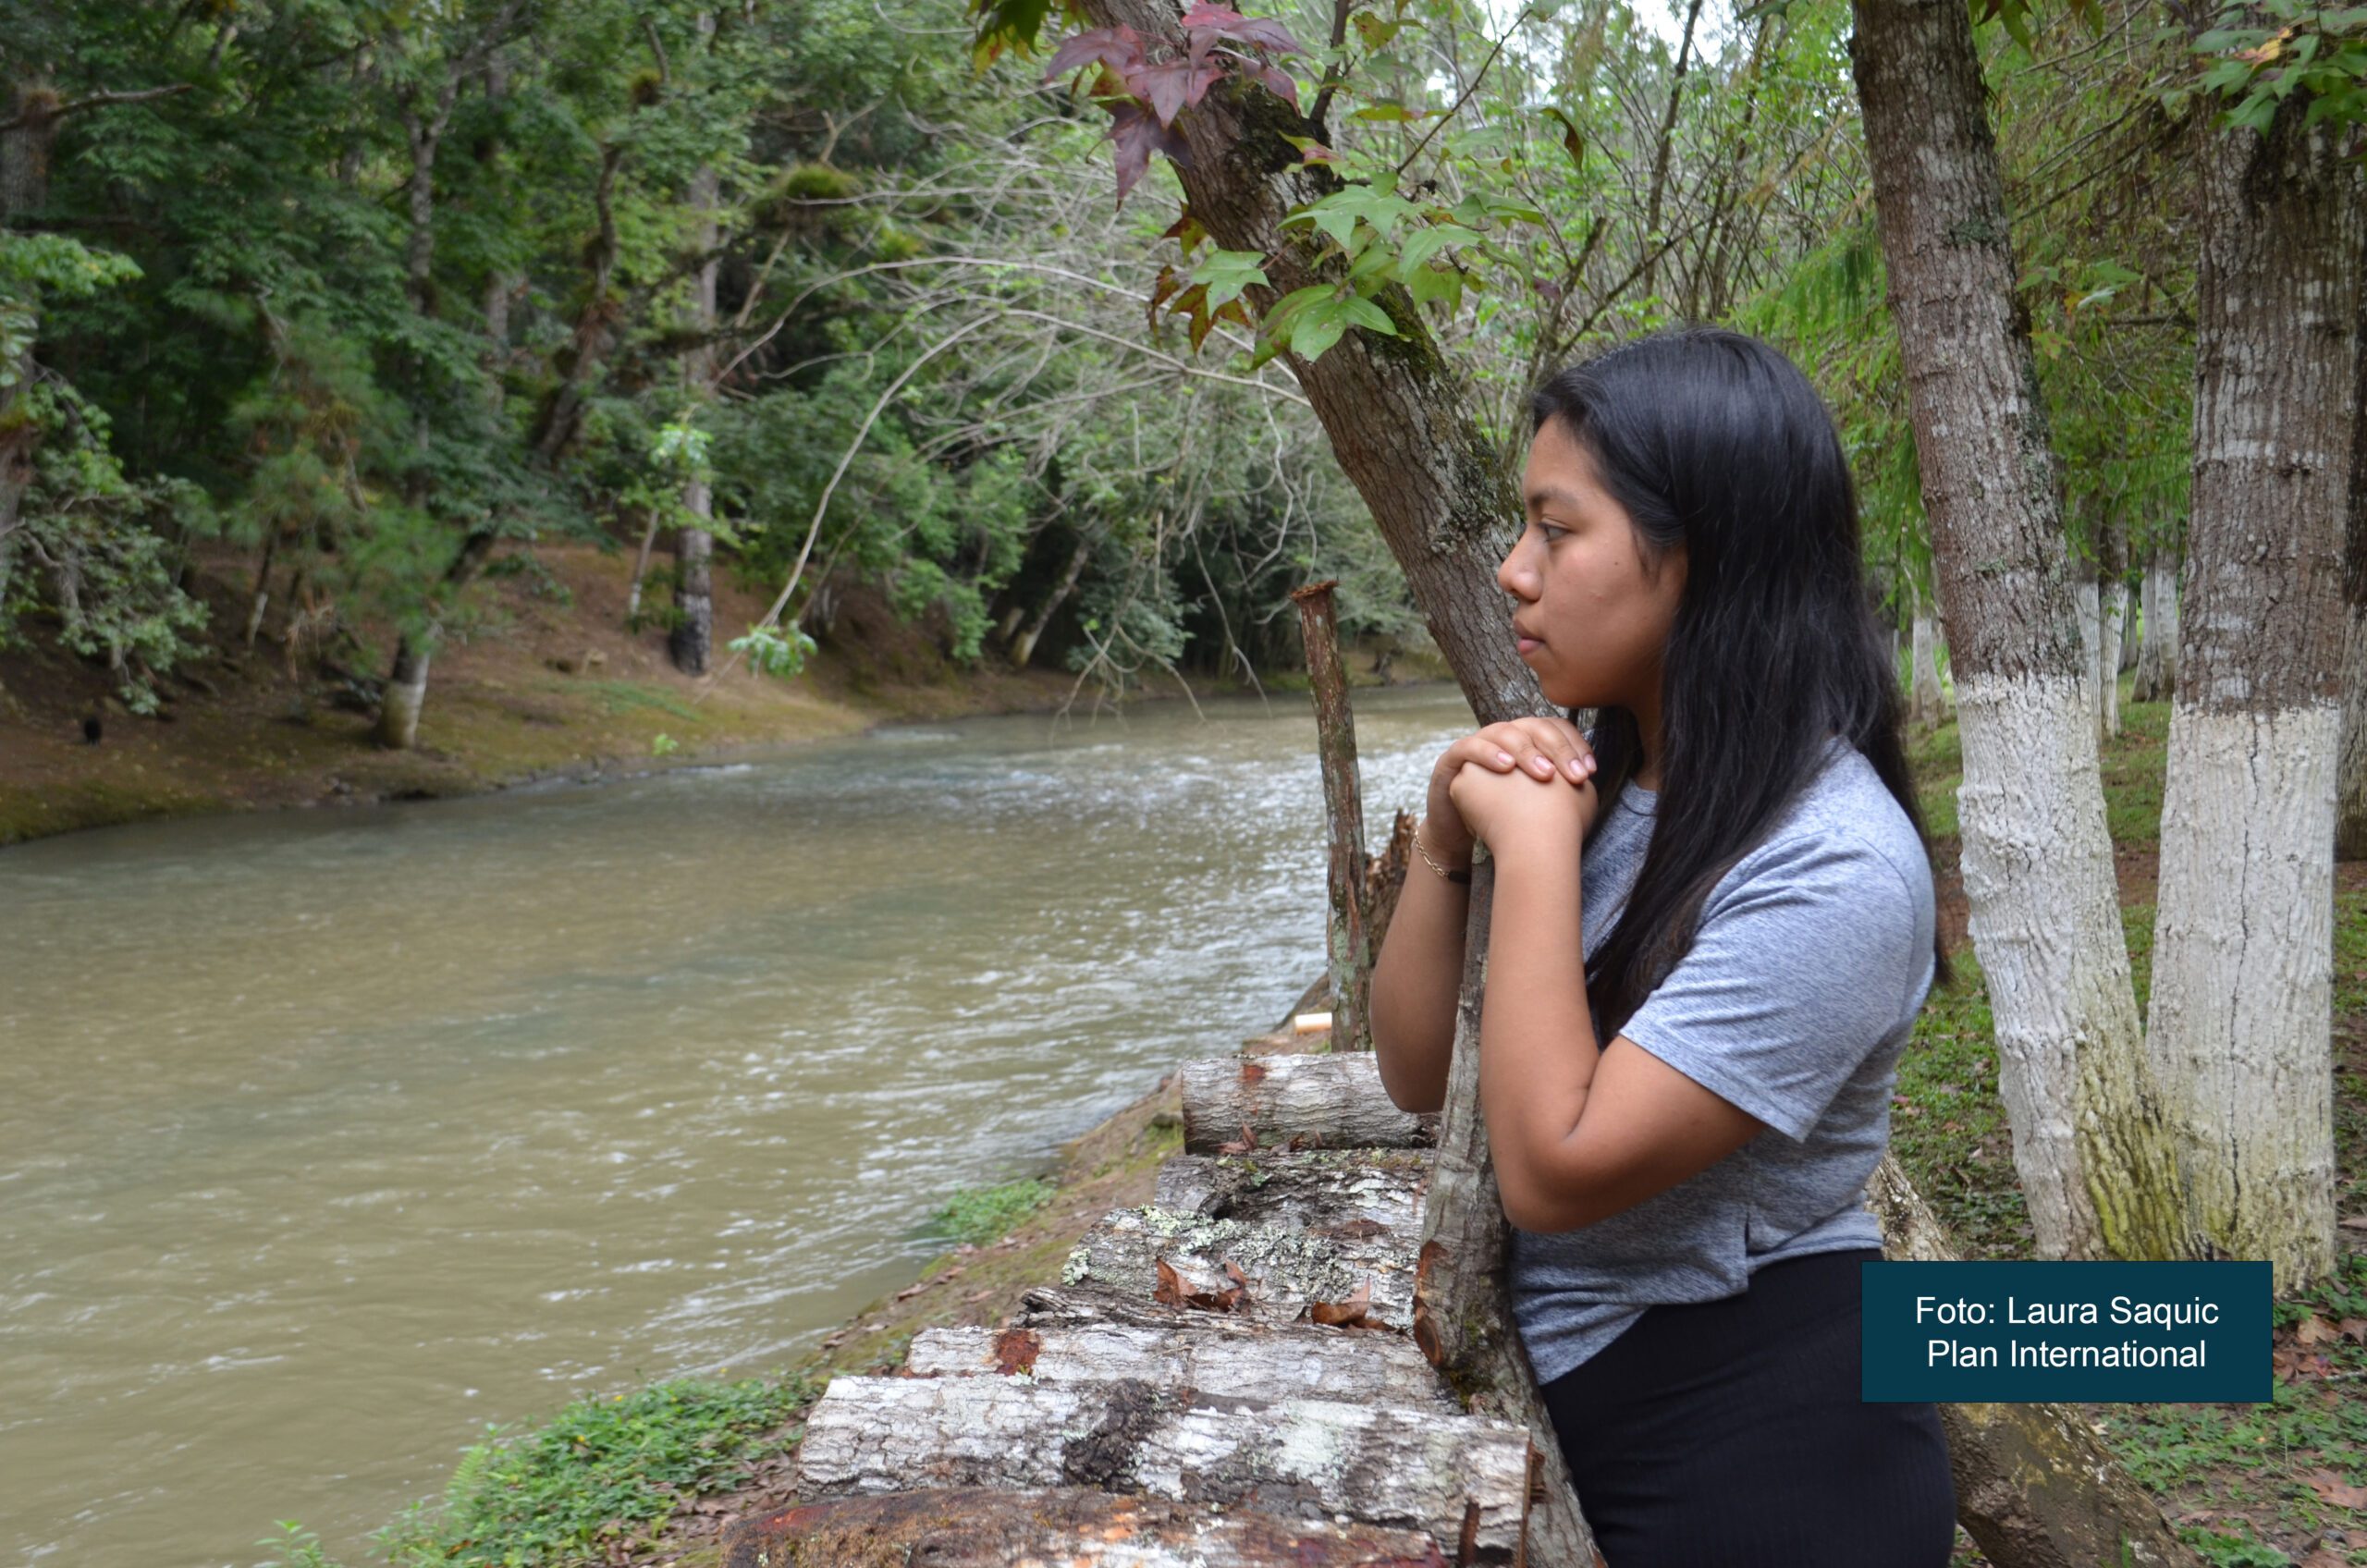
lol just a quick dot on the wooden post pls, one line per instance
(1347, 931)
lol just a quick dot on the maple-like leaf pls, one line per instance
(1261, 32)
(1278, 81)
(1172, 86)
(1137, 134)
(1120, 48)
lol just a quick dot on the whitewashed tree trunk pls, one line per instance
(2038, 868)
(2157, 661)
(2128, 623)
(2241, 1012)
(2111, 623)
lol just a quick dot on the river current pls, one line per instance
(330, 1138)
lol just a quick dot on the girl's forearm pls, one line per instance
(1416, 978)
(1536, 1043)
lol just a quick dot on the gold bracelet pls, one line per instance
(1461, 878)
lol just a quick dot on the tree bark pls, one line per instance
(2240, 1016)
(1209, 1359)
(2111, 605)
(561, 419)
(1075, 1526)
(2350, 770)
(1319, 1190)
(1347, 932)
(2157, 660)
(2090, 1142)
(1282, 1270)
(1331, 1101)
(1412, 1469)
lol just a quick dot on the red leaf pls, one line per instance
(1163, 87)
(1171, 1287)
(1015, 1350)
(1278, 83)
(1137, 135)
(1120, 48)
(1226, 22)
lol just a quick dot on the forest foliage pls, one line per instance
(342, 290)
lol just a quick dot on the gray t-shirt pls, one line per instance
(1811, 962)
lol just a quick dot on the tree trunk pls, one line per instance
(2241, 1011)
(1924, 709)
(1347, 932)
(692, 641)
(1022, 647)
(2125, 620)
(2112, 605)
(2088, 1141)
(1412, 1469)
(1463, 1314)
(1075, 1526)
(1398, 416)
(406, 693)
(1281, 1268)
(2350, 771)
(561, 418)
(2157, 660)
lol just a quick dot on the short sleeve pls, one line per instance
(1802, 963)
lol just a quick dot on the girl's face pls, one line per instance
(1591, 616)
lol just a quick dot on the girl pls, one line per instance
(1712, 930)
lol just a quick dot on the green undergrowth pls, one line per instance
(604, 1467)
(979, 1215)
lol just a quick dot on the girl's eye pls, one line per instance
(1550, 531)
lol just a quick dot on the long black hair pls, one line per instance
(1713, 440)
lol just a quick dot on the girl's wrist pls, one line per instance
(1428, 844)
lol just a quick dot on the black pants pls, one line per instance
(1729, 1434)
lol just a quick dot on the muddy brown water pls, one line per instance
(330, 1138)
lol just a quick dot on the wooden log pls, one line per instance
(1074, 1527)
(1282, 1270)
(1463, 1315)
(1209, 1359)
(2034, 1488)
(1321, 1190)
(1333, 1101)
(1460, 1478)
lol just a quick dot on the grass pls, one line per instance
(2236, 1480)
(980, 1215)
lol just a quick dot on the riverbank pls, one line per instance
(548, 684)
(2252, 1485)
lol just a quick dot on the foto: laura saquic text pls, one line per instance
(2126, 1311)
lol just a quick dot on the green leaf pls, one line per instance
(1227, 273)
(1388, 112)
(1425, 243)
(1365, 313)
(1428, 284)
(1320, 327)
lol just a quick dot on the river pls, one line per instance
(330, 1138)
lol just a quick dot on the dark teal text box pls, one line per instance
(2012, 1334)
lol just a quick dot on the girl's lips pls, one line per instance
(1523, 644)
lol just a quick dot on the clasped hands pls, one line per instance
(1512, 781)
